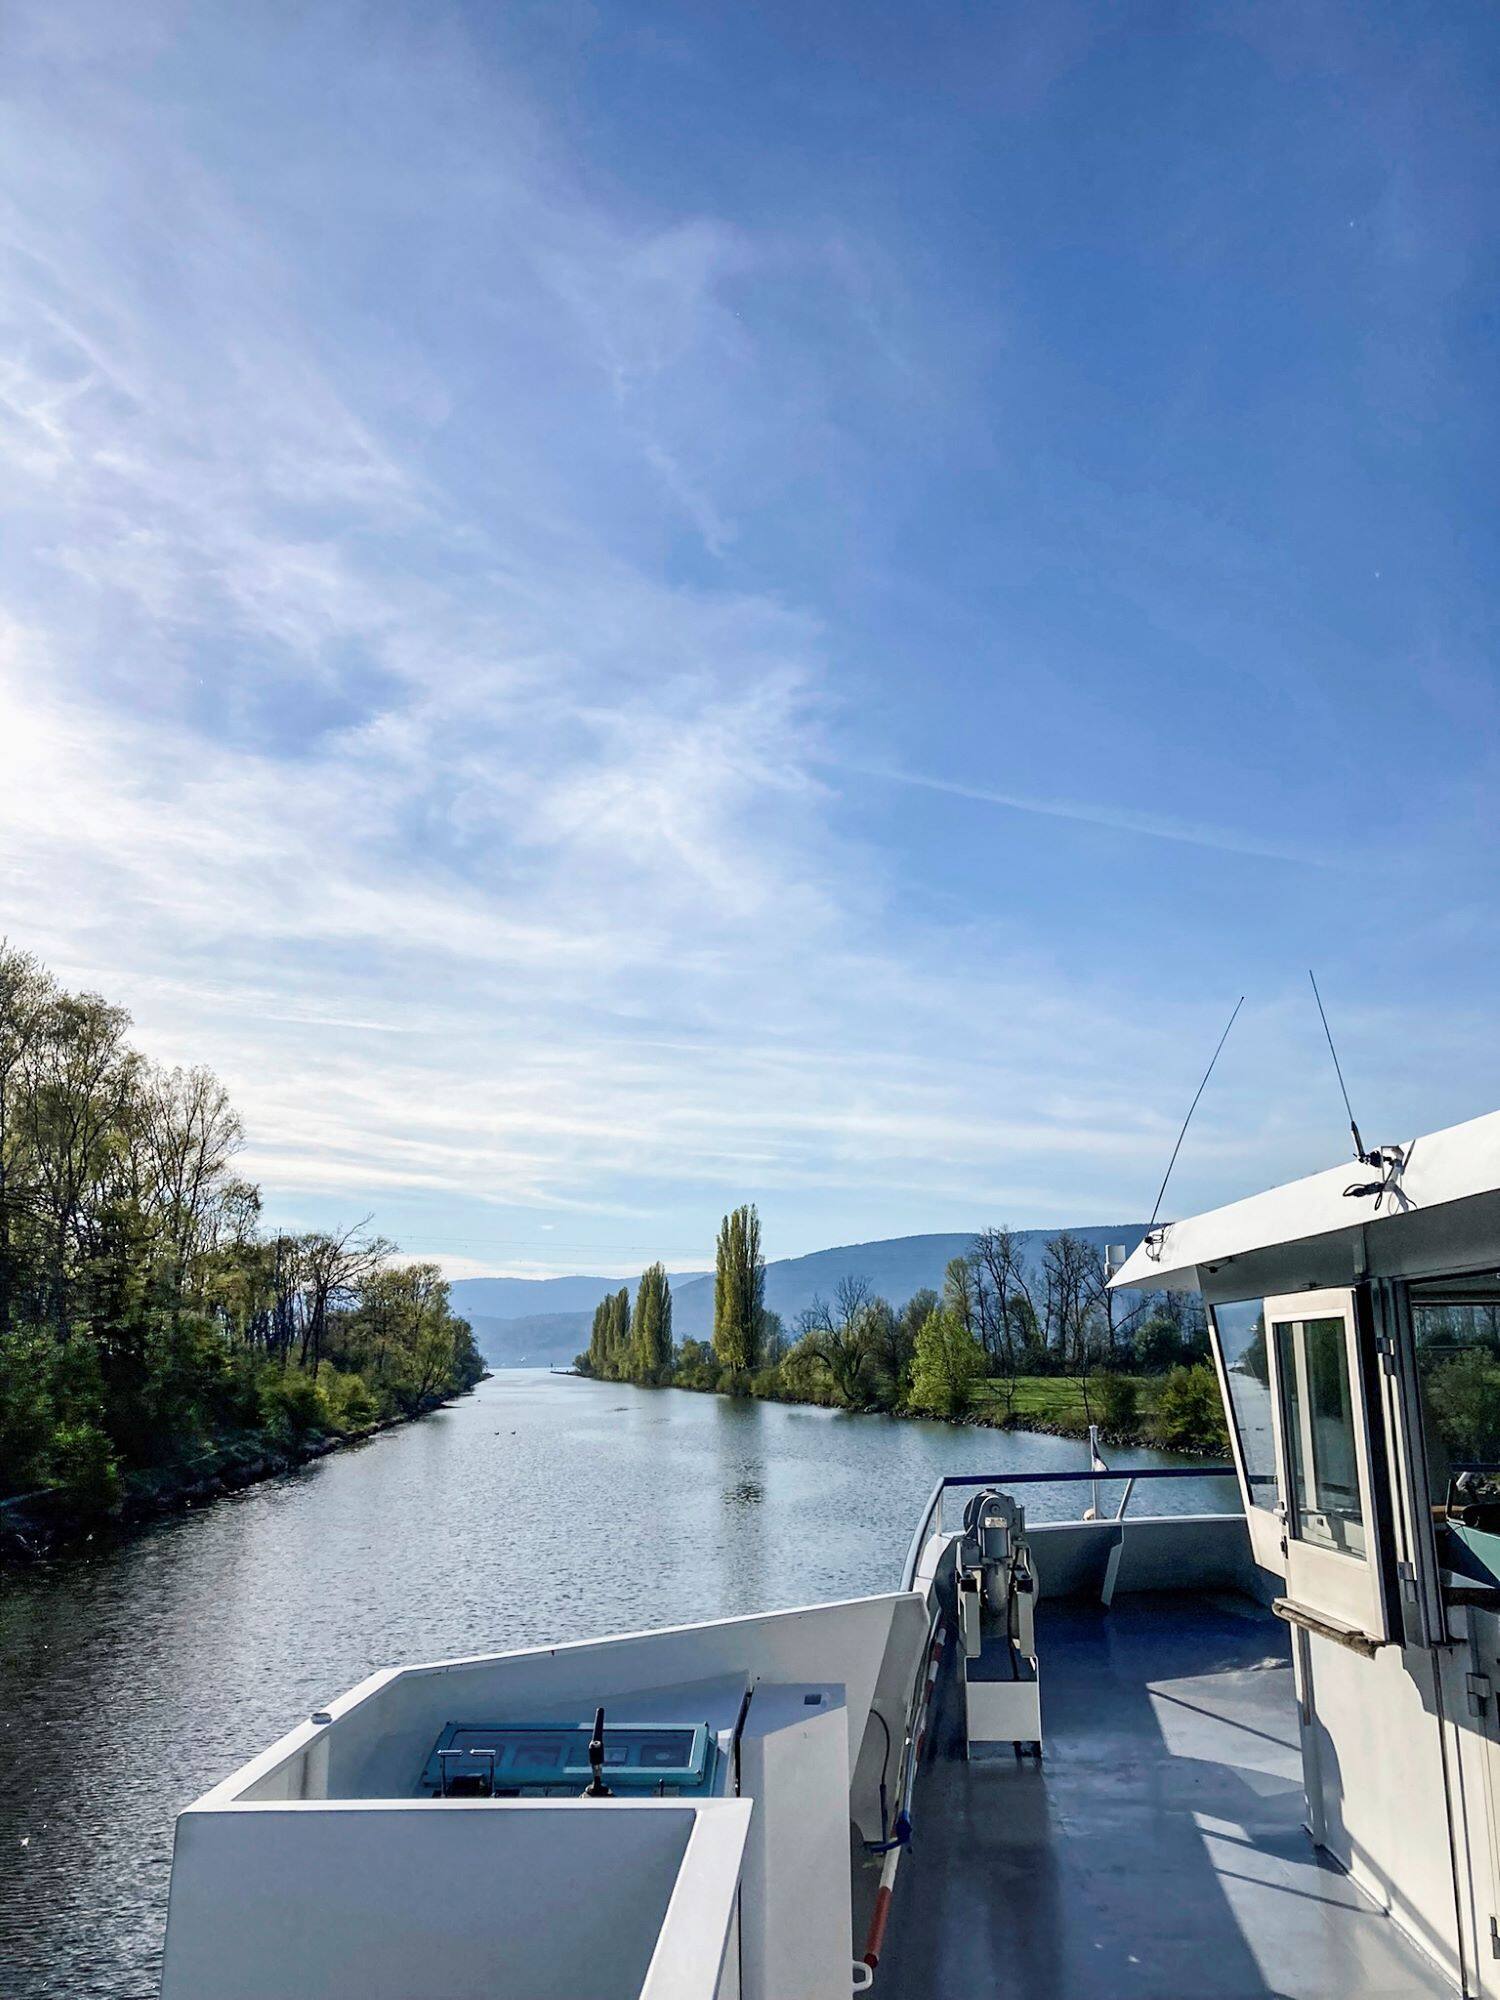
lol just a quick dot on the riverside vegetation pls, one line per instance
(1005, 1342)
(155, 1340)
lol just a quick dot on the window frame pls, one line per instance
(1333, 1583)
(1267, 1543)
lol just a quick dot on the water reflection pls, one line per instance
(540, 1508)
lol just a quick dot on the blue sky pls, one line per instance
(614, 609)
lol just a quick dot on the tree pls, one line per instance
(1190, 1411)
(26, 994)
(331, 1266)
(892, 1340)
(739, 1292)
(142, 1310)
(838, 1337)
(948, 1362)
(651, 1326)
(1005, 1306)
(960, 1294)
(598, 1353)
(617, 1334)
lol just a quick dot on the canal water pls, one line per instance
(540, 1508)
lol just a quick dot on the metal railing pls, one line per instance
(1091, 1475)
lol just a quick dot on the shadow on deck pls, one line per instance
(1158, 1853)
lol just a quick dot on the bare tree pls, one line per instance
(330, 1268)
(837, 1336)
(190, 1132)
(1007, 1307)
(26, 993)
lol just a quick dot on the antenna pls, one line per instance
(1359, 1144)
(1161, 1191)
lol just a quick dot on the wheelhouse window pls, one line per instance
(1456, 1330)
(1313, 1364)
(1240, 1327)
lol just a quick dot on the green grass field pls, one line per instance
(1058, 1399)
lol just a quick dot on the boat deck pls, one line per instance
(1158, 1853)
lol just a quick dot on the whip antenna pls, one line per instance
(1359, 1144)
(1161, 1191)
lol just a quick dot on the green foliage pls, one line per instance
(1157, 1345)
(650, 1348)
(1190, 1411)
(739, 1293)
(1118, 1401)
(84, 1467)
(947, 1363)
(1462, 1398)
(144, 1317)
(294, 1405)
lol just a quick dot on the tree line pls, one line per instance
(145, 1313)
(1000, 1320)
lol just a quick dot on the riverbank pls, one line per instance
(34, 1526)
(1179, 1412)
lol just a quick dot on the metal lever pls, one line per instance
(596, 1787)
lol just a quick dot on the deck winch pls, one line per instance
(996, 1586)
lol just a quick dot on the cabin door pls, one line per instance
(1326, 1497)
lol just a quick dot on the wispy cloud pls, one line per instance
(1117, 819)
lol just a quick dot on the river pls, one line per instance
(541, 1507)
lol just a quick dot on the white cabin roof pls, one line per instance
(1454, 1165)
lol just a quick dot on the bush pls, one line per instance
(294, 1404)
(1118, 1400)
(947, 1364)
(85, 1467)
(350, 1404)
(1190, 1413)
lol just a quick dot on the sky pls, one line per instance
(617, 609)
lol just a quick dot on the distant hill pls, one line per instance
(526, 1298)
(896, 1267)
(552, 1325)
(536, 1340)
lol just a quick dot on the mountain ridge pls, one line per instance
(896, 1266)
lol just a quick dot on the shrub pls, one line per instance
(947, 1363)
(1118, 1400)
(85, 1467)
(294, 1404)
(350, 1404)
(1189, 1411)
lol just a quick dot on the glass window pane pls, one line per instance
(1458, 1369)
(1241, 1329)
(1313, 1362)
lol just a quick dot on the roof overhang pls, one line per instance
(1440, 1207)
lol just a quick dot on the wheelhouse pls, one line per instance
(1355, 1321)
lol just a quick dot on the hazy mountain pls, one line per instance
(549, 1323)
(524, 1298)
(896, 1267)
(537, 1340)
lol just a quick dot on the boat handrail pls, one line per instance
(1092, 1474)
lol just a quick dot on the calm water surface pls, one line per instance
(540, 1508)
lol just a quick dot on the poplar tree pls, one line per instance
(651, 1326)
(597, 1336)
(739, 1292)
(617, 1333)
